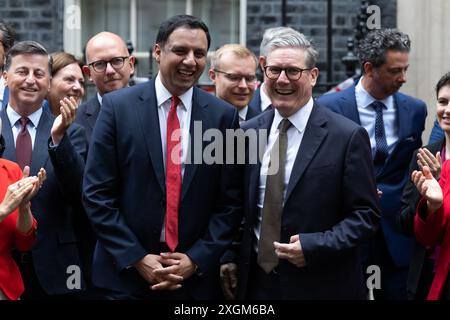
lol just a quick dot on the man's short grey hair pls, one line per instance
(285, 37)
(374, 46)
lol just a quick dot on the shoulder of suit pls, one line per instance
(206, 97)
(411, 100)
(336, 120)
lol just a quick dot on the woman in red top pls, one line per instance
(17, 225)
(431, 224)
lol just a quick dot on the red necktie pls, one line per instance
(23, 144)
(173, 175)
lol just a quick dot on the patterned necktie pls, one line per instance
(382, 150)
(23, 144)
(273, 202)
(173, 175)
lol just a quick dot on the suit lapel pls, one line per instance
(264, 123)
(40, 150)
(402, 116)
(312, 139)
(347, 104)
(198, 113)
(92, 110)
(147, 109)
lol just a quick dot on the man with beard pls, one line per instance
(109, 67)
(395, 123)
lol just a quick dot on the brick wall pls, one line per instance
(38, 20)
(310, 18)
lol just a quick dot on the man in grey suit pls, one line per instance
(109, 67)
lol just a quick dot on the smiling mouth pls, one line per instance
(284, 92)
(185, 73)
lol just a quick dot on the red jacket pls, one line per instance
(435, 231)
(10, 280)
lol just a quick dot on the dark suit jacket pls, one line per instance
(330, 202)
(124, 191)
(87, 115)
(254, 106)
(56, 245)
(391, 178)
(410, 200)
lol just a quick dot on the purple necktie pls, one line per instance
(23, 144)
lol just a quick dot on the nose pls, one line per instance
(77, 86)
(242, 83)
(30, 78)
(402, 77)
(109, 69)
(189, 59)
(283, 77)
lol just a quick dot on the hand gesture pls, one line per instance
(426, 158)
(291, 251)
(228, 279)
(428, 187)
(147, 268)
(68, 111)
(41, 176)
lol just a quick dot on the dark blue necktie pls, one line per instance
(381, 149)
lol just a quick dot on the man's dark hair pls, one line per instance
(374, 46)
(183, 20)
(7, 35)
(27, 47)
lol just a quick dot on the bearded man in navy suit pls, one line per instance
(395, 123)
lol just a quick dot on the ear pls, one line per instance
(314, 75)
(157, 52)
(5, 78)
(132, 61)
(262, 62)
(368, 69)
(212, 75)
(87, 72)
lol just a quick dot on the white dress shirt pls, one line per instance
(295, 135)
(367, 116)
(242, 114)
(32, 125)
(184, 110)
(265, 100)
(2, 91)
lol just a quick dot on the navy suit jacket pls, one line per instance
(56, 247)
(87, 115)
(392, 177)
(254, 106)
(331, 203)
(125, 198)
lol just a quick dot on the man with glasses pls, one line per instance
(233, 71)
(311, 200)
(394, 122)
(109, 66)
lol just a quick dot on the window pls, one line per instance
(139, 20)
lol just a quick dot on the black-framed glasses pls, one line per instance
(292, 73)
(236, 78)
(100, 65)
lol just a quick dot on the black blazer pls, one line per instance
(56, 248)
(124, 191)
(410, 199)
(331, 203)
(87, 115)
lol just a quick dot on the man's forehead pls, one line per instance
(27, 59)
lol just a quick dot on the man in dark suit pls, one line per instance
(233, 71)
(109, 67)
(311, 200)
(34, 137)
(395, 123)
(162, 220)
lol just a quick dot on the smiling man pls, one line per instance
(304, 223)
(162, 221)
(233, 71)
(394, 122)
(109, 67)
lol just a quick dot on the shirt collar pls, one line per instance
(14, 116)
(367, 99)
(243, 113)
(299, 119)
(99, 98)
(265, 100)
(162, 94)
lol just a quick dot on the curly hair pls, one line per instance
(374, 46)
